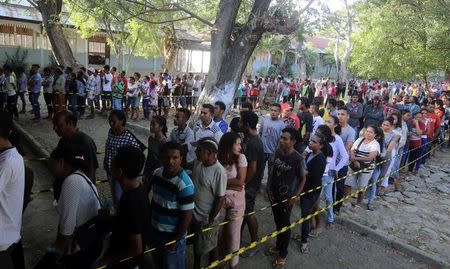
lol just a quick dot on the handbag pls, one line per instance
(358, 165)
(93, 231)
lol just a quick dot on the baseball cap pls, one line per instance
(286, 106)
(208, 143)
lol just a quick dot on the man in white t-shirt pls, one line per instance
(317, 119)
(106, 90)
(12, 185)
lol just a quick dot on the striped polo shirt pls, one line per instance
(170, 196)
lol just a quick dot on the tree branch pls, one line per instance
(193, 15)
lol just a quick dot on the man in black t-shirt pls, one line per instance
(286, 180)
(253, 149)
(131, 229)
(306, 120)
(65, 126)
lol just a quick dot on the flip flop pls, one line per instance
(279, 262)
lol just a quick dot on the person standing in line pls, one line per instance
(12, 185)
(11, 91)
(107, 89)
(270, 132)
(59, 91)
(315, 165)
(78, 203)
(253, 149)
(286, 179)
(362, 156)
(22, 87)
(184, 135)
(373, 114)
(35, 85)
(348, 138)
(306, 120)
(131, 230)
(81, 93)
(158, 128)
(210, 182)
(171, 208)
(117, 94)
(72, 93)
(219, 109)
(196, 90)
(118, 136)
(65, 126)
(235, 164)
(355, 111)
(206, 127)
(317, 119)
(91, 89)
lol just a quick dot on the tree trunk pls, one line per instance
(170, 48)
(447, 75)
(50, 11)
(336, 54)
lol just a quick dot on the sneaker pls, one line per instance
(370, 207)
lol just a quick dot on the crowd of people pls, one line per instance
(207, 171)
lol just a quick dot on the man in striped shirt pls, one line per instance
(171, 208)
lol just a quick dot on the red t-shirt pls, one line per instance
(433, 123)
(415, 143)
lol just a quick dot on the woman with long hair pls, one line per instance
(316, 162)
(235, 165)
(362, 156)
(402, 132)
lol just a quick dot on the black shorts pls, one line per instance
(250, 198)
(106, 96)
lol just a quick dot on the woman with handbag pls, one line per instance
(78, 203)
(362, 156)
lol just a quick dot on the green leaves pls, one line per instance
(401, 39)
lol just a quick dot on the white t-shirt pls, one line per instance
(12, 185)
(107, 78)
(365, 149)
(77, 203)
(317, 121)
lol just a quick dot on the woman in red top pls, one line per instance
(418, 128)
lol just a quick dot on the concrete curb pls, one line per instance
(35, 146)
(396, 243)
(139, 128)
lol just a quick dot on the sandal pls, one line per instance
(271, 251)
(356, 208)
(304, 248)
(278, 262)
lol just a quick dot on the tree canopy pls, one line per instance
(401, 39)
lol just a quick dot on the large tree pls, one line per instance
(402, 39)
(235, 26)
(51, 19)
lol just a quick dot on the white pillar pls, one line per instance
(269, 59)
(86, 52)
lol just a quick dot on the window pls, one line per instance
(11, 35)
(98, 50)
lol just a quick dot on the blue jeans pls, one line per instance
(424, 150)
(117, 103)
(372, 190)
(328, 193)
(164, 258)
(339, 186)
(35, 104)
(73, 104)
(395, 173)
(116, 189)
(442, 137)
(145, 103)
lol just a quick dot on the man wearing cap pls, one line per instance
(210, 182)
(289, 118)
(373, 114)
(91, 89)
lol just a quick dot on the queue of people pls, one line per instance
(197, 175)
